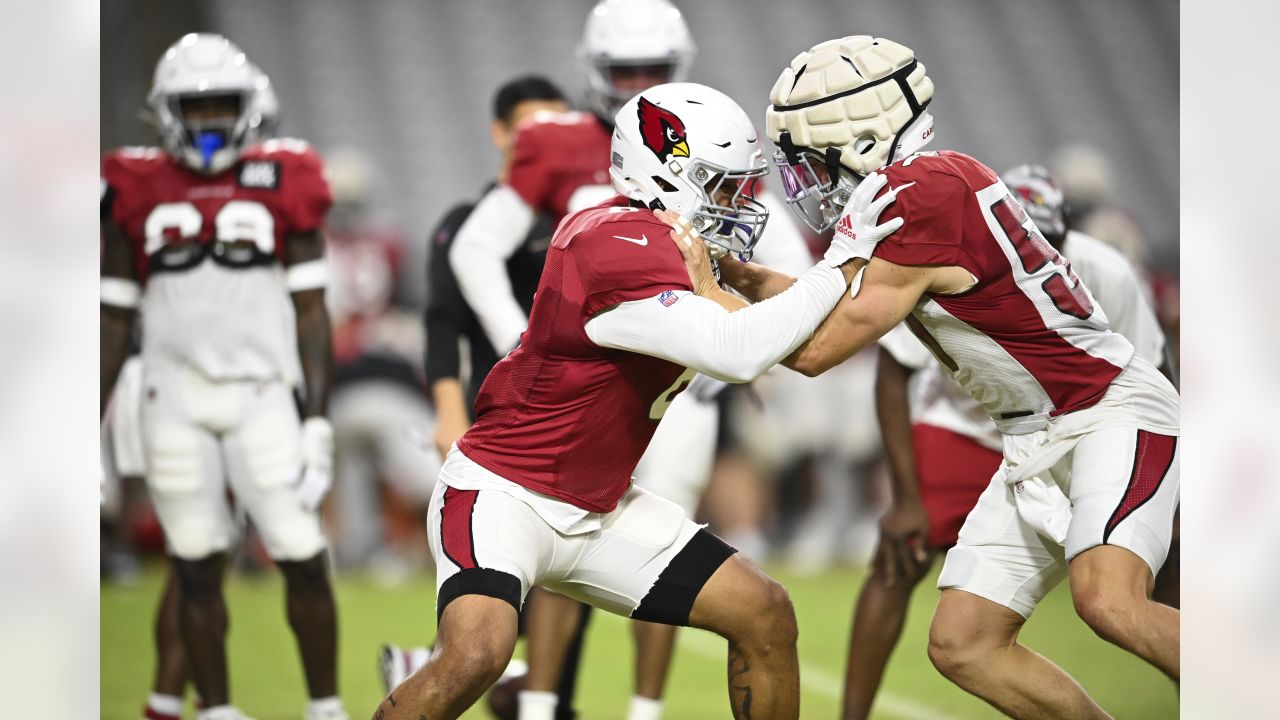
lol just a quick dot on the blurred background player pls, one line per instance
(215, 241)
(560, 165)
(943, 448)
(384, 466)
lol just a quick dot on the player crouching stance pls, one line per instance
(216, 242)
(539, 490)
(1089, 481)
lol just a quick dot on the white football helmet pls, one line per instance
(1039, 193)
(690, 149)
(207, 65)
(632, 34)
(842, 110)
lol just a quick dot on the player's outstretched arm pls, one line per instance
(479, 255)
(756, 282)
(120, 295)
(888, 294)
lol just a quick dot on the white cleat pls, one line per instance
(326, 714)
(393, 666)
(225, 712)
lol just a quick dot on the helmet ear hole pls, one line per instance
(663, 184)
(864, 144)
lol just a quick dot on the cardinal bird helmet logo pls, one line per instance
(662, 131)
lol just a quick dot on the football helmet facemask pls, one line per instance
(630, 45)
(690, 149)
(842, 110)
(209, 102)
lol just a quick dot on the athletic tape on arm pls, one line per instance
(119, 292)
(308, 275)
(735, 347)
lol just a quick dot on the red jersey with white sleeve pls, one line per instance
(1027, 341)
(561, 415)
(560, 162)
(209, 251)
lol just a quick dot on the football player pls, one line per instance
(560, 164)
(539, 490)
(215, 242)
(1088, 484)
(943, 448)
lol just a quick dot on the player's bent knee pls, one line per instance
(954, 647)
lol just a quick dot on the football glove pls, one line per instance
(317, 459)
(858, 230)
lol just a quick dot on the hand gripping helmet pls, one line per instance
(622, 34)
(208, 66)
(689, 149)
(1036, 190)
(840, 111)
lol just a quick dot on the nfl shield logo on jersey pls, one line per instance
(668, 298)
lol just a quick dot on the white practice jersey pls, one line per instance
(1028, 341)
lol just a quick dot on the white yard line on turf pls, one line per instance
(819, 681)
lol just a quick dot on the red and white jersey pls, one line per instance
(1027, 341)
(209, 252)
(560, 163)
(561, 415)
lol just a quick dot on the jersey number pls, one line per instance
(664, 400)
(238, 220)
(1063, 288)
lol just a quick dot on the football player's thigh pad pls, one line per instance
(270, 438)
(1124, 492)
(616, 567)
(188, 491)
(1000, 557)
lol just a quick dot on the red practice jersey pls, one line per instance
(561, 163)
(209, 250)
(560, 415)
(1027, 341)
(276, 189)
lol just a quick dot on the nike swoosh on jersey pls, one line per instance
(642, 241)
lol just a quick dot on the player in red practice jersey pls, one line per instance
(559, 164)
(215, 241)
(1088, 484)
(539, 491)
(942, 447)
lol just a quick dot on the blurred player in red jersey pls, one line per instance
(215, 241)
(539, 490)
(560, 164)
(943, 448)
(1088, 484)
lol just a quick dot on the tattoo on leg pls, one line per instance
(739, 682)
(391, 699)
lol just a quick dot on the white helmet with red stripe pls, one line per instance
(842, 110)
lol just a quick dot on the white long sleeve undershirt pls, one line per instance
(490, 236)
(736, 347)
